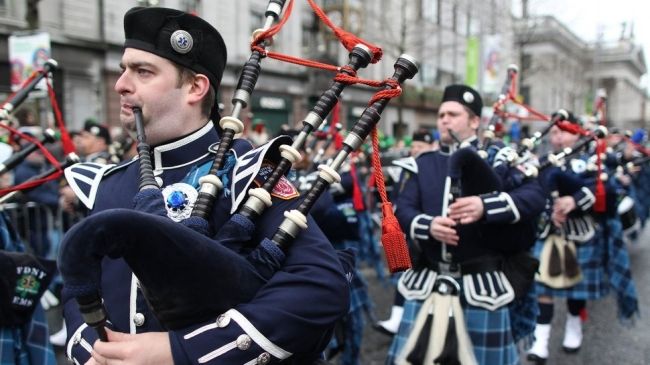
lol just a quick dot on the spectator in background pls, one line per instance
(123, 148)
(258, 135)
(76, 140)
(26, 118)
(45, 195)
(94, 140)
(422, 142)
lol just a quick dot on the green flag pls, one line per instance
(471, 74)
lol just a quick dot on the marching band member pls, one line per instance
(172, 66)
(641, 178)
(463, 295)
(580, 248)
(94, 141)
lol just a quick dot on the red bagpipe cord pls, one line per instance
(600, 110)
(12, 133)
(347, 39)
(572, 128)
(397, 255)
(66, 140)
(512, 96)
(601, 147)
(68, 146)
(50, 158)
(639, 147)
(600, 205)
(392, 237)
(357, 194)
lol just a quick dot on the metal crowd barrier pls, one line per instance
(39, 226)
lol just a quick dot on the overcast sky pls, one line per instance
(585, 17)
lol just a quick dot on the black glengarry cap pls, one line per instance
(464, 95)
(182, 38)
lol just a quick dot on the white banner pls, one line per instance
(28, 53)
(492, 69)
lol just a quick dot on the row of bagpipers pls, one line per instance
(230, 267)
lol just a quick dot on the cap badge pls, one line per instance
(468, 97)
(181, 41)
(94, 130)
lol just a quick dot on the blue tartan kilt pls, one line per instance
(353, 323)
(591, 257)
(489, 331)
(359, 298)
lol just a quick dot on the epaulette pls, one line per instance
(407, 163)
(84, 178)
(248, 166)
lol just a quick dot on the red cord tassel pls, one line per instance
(392, 237)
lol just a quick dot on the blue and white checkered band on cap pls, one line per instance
(182, 38)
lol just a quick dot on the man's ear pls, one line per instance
(475, 122)
(198, 88)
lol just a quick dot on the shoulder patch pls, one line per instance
(284, 189)
(248, 166)
(84, 179)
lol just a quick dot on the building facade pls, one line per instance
(559, 70)
(556, 66)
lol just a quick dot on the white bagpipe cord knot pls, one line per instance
(444, 308)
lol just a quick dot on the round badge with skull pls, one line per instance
(179, 200)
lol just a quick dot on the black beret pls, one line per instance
(182, 38)
(571, 118)
(422, 135)
(97, 130)
(464, 95)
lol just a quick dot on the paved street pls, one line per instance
(606, 340)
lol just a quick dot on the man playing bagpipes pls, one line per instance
(172, 66)
(640, 172)
(461, 307)
(623, 160)
(580, 245)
